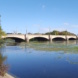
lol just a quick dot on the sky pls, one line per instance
(39, 16)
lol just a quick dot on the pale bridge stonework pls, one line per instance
(48, 37)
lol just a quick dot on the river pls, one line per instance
(42, 60)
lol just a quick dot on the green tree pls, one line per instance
(2, 33)
(55, 32)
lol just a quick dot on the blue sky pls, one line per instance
(39, 15)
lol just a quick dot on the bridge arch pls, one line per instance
(58, 39)
(16, 39)
(38, 39)
(72, 38)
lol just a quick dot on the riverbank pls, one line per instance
(7, 76)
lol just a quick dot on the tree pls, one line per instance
(2, 33)
(55, 32)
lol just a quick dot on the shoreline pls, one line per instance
(7, 76)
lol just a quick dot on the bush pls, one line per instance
(1, 41)
(3, 69)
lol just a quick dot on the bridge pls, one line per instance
(28, 37)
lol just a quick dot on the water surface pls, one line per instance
(43, 60)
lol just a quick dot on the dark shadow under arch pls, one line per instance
(72, 39)
(38, 39)
(58, 39)
(15, 39)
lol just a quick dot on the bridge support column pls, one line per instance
(26, 38)
(66, 38)
(76, 40)
(50, 39)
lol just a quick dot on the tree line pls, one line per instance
(55, 32)
(2, 33)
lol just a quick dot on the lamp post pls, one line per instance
(66, 37)
(26, 31)
(50, 36)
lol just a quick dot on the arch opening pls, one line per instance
(14, 39)
(72, 39)
(39, 39)
(58, 39)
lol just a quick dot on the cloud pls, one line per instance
(44, 29)
(52, 29)
(59, 29)
(71, 25)
(75, 26)
(43, 6)
(66, 24)
(36, 25)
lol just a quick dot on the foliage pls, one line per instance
(2, 33)
(55, 32)
(10, 42)
(3, 67)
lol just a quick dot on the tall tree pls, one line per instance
(2, 33)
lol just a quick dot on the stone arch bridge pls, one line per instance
(28, 37)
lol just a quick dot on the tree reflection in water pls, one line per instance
(3, 67)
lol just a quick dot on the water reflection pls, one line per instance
(69, 57)
(70, 46)
(43, 60)
(72, 60)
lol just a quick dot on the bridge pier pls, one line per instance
(76, 38)
(50, 39)
(26, 39)
(66, 38)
